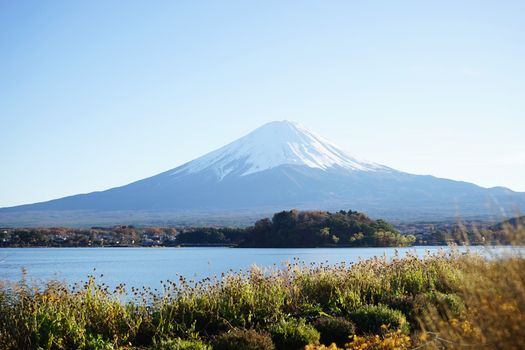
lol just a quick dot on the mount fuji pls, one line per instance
(280, 165)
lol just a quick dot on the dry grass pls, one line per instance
(493, 291)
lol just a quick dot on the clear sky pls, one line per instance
(96, 94)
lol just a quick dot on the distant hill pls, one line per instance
(278, 166)
(295, 228)
(513, 222)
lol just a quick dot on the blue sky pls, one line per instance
(97, 94)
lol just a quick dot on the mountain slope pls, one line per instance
(278, 166)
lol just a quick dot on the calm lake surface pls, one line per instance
(140, 267)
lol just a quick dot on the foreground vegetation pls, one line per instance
(446, 301)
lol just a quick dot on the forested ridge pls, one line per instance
(320, 228)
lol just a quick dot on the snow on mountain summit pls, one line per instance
(274, 144)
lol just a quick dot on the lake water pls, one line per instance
(140, 267)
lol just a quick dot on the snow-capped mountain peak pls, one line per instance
(274, 144)
(278, 166)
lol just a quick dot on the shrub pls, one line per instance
(414, 281)
(334, 330)
(449, 305)
(417, 308)
(293, 334)
(180, 344)
(391, 340)
(369, 319)
(97, 343)
(348, 300)
(243, 339)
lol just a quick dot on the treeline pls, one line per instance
(210, 236)
(291, 228)
(88, 237)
